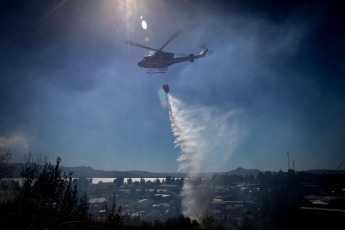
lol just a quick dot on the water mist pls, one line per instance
(206, 136)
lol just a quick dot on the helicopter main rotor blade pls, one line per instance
(139, 45)
(175, 35)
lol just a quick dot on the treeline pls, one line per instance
(48, 198)
(169, 180)
(45, 199)
(274, 178)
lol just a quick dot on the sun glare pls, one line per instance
(143, 24)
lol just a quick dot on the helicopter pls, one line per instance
(160, 60)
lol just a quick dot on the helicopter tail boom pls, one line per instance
(191, 57)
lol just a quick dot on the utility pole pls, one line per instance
(288, 159)
(293, 165)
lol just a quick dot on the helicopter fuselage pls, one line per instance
(162, 59)
(158, 60)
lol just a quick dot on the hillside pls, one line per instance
(85, 171)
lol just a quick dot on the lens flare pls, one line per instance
(144, 24)
(162, 98)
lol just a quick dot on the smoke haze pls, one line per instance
(17, 143)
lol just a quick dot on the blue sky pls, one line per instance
(70, 86)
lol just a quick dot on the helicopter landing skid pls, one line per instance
(159, 70)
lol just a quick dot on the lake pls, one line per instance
(96, 180)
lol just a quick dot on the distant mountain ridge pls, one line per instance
(243, 172)
(86, 171)
(90, 172)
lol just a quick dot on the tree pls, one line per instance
(83, 207)
(5, 156)
(29, 173)
(181, 222)
(84, 183)
(157, 182)
(168, 180)
(206, 221)
(113, 215)
(119, 181)
(157, 224)
(48, 194)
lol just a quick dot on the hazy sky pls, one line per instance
(70, 86)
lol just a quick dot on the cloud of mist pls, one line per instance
(206, 136)
(16, 143)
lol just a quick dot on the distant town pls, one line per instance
(238, 199)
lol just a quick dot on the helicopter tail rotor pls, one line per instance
(203, 53)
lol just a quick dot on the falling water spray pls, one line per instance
(206, 137)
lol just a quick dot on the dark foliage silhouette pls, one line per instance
(46, 198)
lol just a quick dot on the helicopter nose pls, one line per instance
(139, 64)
